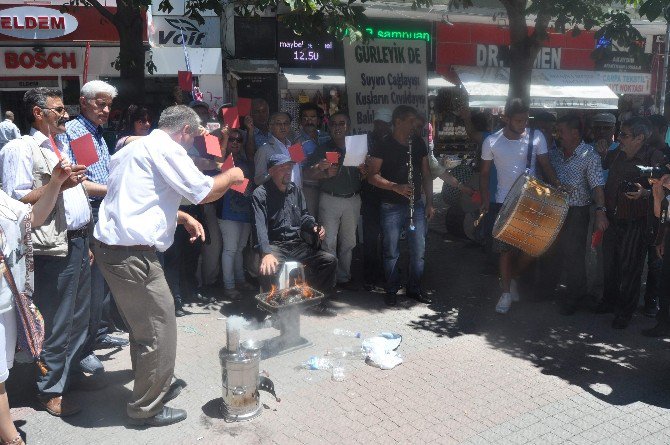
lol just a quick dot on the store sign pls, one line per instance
(499, 56)
(384, 74)
(29, 83)
(28, 60)
(179, 31)
(621, 61)
(35, 22)
(297, 51)
(627, 83)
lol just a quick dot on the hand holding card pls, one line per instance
(241, 187)
(333, 157)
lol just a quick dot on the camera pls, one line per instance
(653, 172)
(628, 187)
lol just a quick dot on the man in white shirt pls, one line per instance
(507, 149)
(61, 246)
(139, 215)
(8, 130)
(280, 125)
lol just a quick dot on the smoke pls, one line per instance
(286, 323)
(237, 322)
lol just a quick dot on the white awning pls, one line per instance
(437, 81)
(202, 60)
(309, 78)
(488, 87)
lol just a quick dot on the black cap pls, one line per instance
(279, 159)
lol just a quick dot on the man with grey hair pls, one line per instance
(95, 101)
(61, 246)
(278, 143)
(8, 131)
(138, 217)
(627, 208)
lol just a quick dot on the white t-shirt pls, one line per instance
(147, 180)
(510, 157)
(13, 227)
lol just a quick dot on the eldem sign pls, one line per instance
(35, 22)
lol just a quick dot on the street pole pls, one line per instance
(666, 44)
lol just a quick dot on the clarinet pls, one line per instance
(410, 180)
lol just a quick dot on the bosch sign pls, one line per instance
(35, 22)
(27, 60)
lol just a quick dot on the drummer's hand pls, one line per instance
(430, 212)
(602, 223)
(636, 195)
(402, 189)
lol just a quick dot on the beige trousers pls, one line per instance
(144, 300)
(339, 217)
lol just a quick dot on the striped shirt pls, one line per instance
(76, 128)
(16, 164)
(582, 171)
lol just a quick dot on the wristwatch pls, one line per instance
(603, 208)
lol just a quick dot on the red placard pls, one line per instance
(185, 79)
(212, 145)
(244, 106)
(242, 187)
(296, 152)
(228, 163)
(84, 150)
(333, 157)
(596, 238)
(231, 117)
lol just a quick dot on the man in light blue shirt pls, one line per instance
(8, 130)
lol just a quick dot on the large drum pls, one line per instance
(531, 216)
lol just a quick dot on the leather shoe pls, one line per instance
(91, 365)
(167, 416)
(174, 390)
(57, 406)
(620, 322)
(420, 296)
(660, 330)
(109, 342)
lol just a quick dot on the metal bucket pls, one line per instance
(240, 379)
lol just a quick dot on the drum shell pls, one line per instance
(531, 216)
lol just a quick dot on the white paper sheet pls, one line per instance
(357, 150)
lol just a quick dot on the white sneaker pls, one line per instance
(504, 303)
(514, 290)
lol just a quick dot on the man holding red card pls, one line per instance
(340, 200)
(61, 246)
(83, 143)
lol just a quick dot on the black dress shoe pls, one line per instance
(179, 312)
(620, 322)
(390, 299)
(662, 329)
(174, 391)
(167, 416)
(109, 342)
(420, 296)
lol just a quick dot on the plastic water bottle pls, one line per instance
(346, 353)
(346, 333)
(315, 362)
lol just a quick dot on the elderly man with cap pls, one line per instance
(138, 218)
(280, 218)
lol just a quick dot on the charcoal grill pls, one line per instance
(286, 318)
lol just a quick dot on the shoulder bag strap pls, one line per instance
(8, 276)
(530, 149)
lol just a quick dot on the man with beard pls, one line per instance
(309, 138)
(138, 217)
(61, 246)
(507, 149)
(96, 102)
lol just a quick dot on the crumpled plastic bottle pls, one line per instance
(315, 362)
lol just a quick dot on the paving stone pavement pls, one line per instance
(469, 375)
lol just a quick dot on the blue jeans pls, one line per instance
(393, 218)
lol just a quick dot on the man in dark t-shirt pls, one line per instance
(389, 171)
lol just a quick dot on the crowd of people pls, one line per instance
(158, 219)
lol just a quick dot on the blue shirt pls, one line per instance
(261, 138)
(235, 205)
(582, 171)
(76, 128)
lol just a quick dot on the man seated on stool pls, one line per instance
(280, 215)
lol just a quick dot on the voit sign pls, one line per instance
(178, 31)
(36, 23)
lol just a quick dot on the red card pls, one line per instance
(596, 238)
(185, 79)
(228, 163)
(212, 145)
(296, 152)
(231, 116)
(244, 106)
(84, 150)
(476, 198)
(240, 187)
(333, 157)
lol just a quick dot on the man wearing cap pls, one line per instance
(280, 215)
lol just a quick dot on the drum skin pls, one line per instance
(531, 216)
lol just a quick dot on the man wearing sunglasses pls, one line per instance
(628, 210)
(95, 102)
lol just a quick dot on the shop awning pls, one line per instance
(309, 78)
(487, 87)
(169, 60)
(436, 81)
